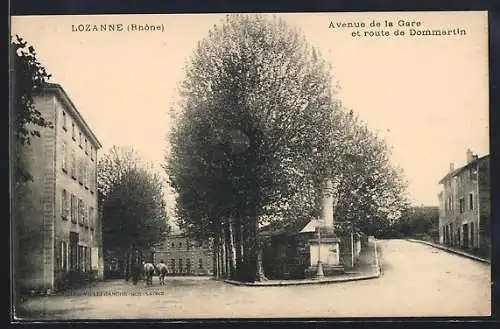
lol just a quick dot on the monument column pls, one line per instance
(327, 204)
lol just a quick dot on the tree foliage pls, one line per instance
(132, 199)
(415, 221)
(28, 77)
(258, 131)
(256, 108)
(371, 191)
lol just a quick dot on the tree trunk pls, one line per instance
(232, 248)
(223, 256)
(239, 249)
(260, 276)
(216, 258)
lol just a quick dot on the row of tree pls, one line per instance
(257, 133)
(131, 194)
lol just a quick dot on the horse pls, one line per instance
(162, 271)
(149, 270)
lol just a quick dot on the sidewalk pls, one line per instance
(367, 268)
(452, 250)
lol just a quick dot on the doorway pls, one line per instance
(465, 240)
(73, 251)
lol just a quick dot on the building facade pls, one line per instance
(184, 257)
(464, 206)
(60, 229)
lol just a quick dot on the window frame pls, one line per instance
(64, 121)
(74, 209)
(64, 204)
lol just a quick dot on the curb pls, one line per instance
(309, 282)
(301, 283)
(452, 251)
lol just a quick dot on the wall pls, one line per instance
(36, 249)
(329, 254)
(485, 206)
(179, 250)
(467, 183)
(81, 187)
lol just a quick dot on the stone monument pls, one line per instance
(324, 247)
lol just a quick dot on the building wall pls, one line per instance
(44, 222)
(174, 251)
(37, 207)
(76, 169)
(484, 205)
(465, 207)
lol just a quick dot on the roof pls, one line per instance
(311, 226)
(459, 170)
(64, 98)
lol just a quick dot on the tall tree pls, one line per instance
(371, 191)
(256, 107)
(28, 77)
(133, 203)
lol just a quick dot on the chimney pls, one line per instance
(470, 156)
(452, 166)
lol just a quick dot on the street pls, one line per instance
(417, 280)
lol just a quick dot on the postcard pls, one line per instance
(225, 166)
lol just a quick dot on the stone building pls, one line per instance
(464, 205)
(183, 256)
(59, 228)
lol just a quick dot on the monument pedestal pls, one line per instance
(324, 248)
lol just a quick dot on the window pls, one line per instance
(64, 256)
(471, 201)
(462, 205)
(180, 265)
(80, 172)
(91, 217)
(64, 152)
(80, 258)
(73, 131)
(85, 219)
(172, 265)
(73, 164)
(88, 258)
(92, 178)
(86, 147)
(81, 215)
(85, 175)
(200, 263)
(173, 245)
(65, 204)
(91, 153)
(80, 140)
(472, 233)
(180, 244)
(74, 212)
(64, 121)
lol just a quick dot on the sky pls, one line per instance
(426, 95)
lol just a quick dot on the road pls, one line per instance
(417, 280)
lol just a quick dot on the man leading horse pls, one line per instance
(149, 270)
(162, 271)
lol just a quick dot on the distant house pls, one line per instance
(464, 205)
(184, 256)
